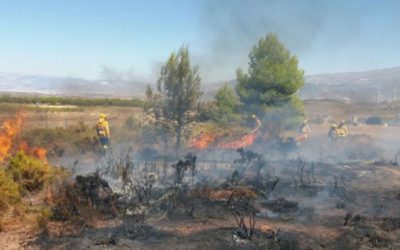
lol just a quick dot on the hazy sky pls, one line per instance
(77, 37)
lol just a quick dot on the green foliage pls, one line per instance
(226, 104)
(269, 87)
(154, 102)
(273, 76)
(42, 219)
(22, 174)
(179, 84)
(29, 172)
(54, 100)
(15, 107)
(9, 190)
(206, 111)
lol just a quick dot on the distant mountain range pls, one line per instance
(369, 86)
(45, 85)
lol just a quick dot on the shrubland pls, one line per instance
(24, 178)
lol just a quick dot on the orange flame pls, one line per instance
(10, 129)
(202, 142)
(207, 140)
(244, 141)
(35, 151)
(40, 153)
(9, 132)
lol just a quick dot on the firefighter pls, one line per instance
(305, 129)
(338, 131)
(103, 131)
(342, 128)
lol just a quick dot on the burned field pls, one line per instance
(249, 198)
(200, 125)
(254, 168)
(238, 192)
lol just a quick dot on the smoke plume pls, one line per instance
(316, 31)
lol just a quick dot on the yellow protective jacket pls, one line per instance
(342, 130)
(305, 130)
(103, 129)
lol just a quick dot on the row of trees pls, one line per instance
(268, 89)
(56, 100)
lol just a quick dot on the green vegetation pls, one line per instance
(9, 190)
(15, 107)
(55, 100)
(24, 175)
(226, 105)
(179, 85)
(269, 88)
(273, 76)
(29, 172)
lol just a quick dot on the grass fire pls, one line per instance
(237, 140)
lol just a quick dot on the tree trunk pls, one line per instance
(178, 136)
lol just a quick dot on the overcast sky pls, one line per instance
(77, 37)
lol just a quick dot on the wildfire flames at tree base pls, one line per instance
(209, 140)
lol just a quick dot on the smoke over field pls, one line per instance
(264, 161)
(234, 192)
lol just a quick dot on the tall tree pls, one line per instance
(179, 83)
(272, 81)
(273, 76)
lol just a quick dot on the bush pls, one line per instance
(9, 190)
(227, 104)
(20, 175)
(206, 111)
(29, 172)
(42, 219)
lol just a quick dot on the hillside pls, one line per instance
(34, 84)
(367, 86)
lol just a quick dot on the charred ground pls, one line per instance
(321, 195)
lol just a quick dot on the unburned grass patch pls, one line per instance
(29, 172)
(60, 141)
(24, 180)
(9, 190)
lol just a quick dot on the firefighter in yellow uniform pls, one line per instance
(342, 128)
(305, 132)
(103, 131)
